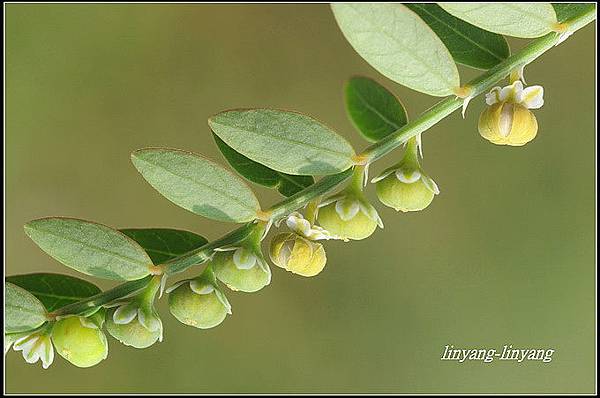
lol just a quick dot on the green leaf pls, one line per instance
(91, 248)
(288, 142)
(286, 184)
(22, 310)
(526, 20)
(197, 184)
(163, 244)
(55, 290)
(374, 110)
(396, 42)
(468, 44)
(567, 11)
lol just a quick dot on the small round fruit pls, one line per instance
(245, 280)
(202, 311)
(358, 227)
(81, 345)
(403, 196)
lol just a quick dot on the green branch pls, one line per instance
(327, 184)
(100, 299)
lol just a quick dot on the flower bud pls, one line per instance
(405, 190)
(404, 186)
(199, 304)
(508, 124)
(79, 341)
(135, 322)
(348, 217)
(508, 120)
(297, 254)
(243, 269)
(131, 331)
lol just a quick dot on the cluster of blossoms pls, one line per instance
(348, 215)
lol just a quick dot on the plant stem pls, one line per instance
(321, 187)
(100, 299)
(374, 152)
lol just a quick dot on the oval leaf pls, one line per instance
(396, 42)
(163, 244)
(374, 110)
(468, 44)
(567, 11)
(22, 310)
(286, 184)
(513, 19)
(90, 248)
(197, 184)
(55, 290)
(288, 142)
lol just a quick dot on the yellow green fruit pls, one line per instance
(81, 345)
(297, 254)
(245, 280)
(507, 123)
(132, 334)
(358, 227)
(202, 311)
(403, 196)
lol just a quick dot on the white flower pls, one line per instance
(297, 223)
(531, 97)
(36, 346)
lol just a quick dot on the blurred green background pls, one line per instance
(505, 255)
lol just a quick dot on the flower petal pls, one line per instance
(493, 96)
(223, 299)
(47, 354)
(320, 233)
(25, 344)
(298, 224)
(201, 287)
(408, 176)
(347, 208)
(430, 184)
(125, 314)
(264, 266)
(512, 92)
(149, 319)
(88, 323)
(533, 97)
(244, 259)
